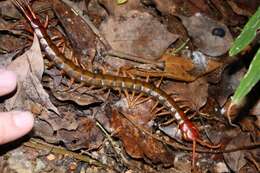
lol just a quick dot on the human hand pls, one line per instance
(13, 124)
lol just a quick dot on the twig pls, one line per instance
(180, 47)
(251, 159)
(117, 149)
(134, 58)
(59, 150)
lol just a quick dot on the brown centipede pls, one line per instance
(85, 77)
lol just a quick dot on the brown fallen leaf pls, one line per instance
(29, 69)
(87, 135)
(81, 37)
(66, 121)
(173, 7)
(194, 94)
(189, 69)
(236, 160)
(139, 34)
(44, 130)
(181, 68)
(139, 145)
(201, 29)
(141, 113)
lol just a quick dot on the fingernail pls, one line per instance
(22, 119)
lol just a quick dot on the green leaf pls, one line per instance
(119, 2)
(249, 80)
(247, 35)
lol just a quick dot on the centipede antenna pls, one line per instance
(21, 7)
(26, 2)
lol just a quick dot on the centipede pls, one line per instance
(189, 131)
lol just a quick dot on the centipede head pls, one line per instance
(189, 131)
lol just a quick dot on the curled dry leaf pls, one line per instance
(67, 121)
(183, 68)
(188, 68)
(138, 144)
(244, 8)
(79, 33)
(44, 130)
(29, 69)
(81, 99)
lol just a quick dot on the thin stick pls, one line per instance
(59, 150)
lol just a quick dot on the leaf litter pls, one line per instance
(140, 30)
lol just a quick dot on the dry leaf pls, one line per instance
(236, 160)
(138, 34)
(200, 28)
(138, 144)
(29, 69)
(87, 135)
(67, 121)
(194, 94)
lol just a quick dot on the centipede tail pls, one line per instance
(189, 131)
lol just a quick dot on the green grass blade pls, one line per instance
(249, 80)
(247, 35)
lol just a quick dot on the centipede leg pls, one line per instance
(154, 106)
(163, 113)
(128, 98)
(76, 88)
(70, 84)
(55, 37)
(46, 23)
(193, 154)
(159, 83)
(137, 100)
(143, 100)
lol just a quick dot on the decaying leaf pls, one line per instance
(79, 33)
(66, 121)
(194, 94)
(139, 34)
(87, 135)
(141, 113)
(44, 130)
(29, 69)
(236, 160)
(189, 68)
(137, 144)
(211, 37)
